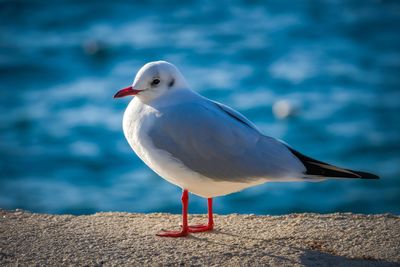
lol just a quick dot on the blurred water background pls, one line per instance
(62, 149)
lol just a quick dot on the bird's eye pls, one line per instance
(155, 82)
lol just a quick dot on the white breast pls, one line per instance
(137, 120)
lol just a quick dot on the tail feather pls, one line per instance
(316, 168)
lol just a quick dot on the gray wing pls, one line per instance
(234, 114)
(221, 144)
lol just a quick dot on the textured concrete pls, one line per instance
(248, 240)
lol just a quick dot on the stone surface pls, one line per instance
(248, 240)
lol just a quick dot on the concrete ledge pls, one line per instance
(129, 239)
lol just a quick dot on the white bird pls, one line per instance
(205, 147)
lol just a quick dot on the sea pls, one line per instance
(324, 76)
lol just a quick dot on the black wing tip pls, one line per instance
(320, 168)
(366, 175)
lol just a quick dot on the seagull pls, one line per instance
(206, 147)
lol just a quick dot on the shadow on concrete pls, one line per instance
(308, 256)
(319, 258)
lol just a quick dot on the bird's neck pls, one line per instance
(173, 97)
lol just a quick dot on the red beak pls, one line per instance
(126, 91)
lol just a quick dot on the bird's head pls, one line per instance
(153, 80)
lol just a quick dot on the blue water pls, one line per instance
(62, 149)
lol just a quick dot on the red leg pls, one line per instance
(185, 229)
(202, 227)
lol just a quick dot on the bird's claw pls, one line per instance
(200, 228)
(171, 233)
